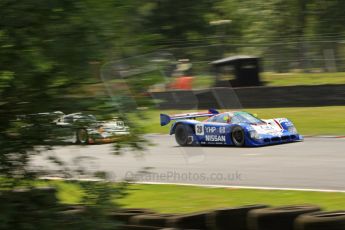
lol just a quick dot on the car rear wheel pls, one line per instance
(82, 136)
(182, 135)
(237, 136)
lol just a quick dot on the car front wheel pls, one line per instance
(237, 136)
(82, 136)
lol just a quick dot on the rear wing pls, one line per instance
(165, 119)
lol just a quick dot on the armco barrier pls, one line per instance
(252, 97)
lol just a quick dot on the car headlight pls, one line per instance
(292, 130)
(254, 135)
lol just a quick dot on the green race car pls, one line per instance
(76, 127)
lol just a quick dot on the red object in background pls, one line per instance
(183, 82)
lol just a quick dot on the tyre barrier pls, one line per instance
(138, 227)
(277, 218)
(45, 196)
(72, 209)
(321, 221)
(40, 196)
(124, 215)
(189, 221)
(231, 218)
(156, 220)
(175, 229)
(251, 217)
(70, 217)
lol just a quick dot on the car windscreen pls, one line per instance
(115, 124)
(245, 118)
(80, 119)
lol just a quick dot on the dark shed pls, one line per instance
(239, 71)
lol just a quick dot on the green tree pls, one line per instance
(46, 52)
(328, 17)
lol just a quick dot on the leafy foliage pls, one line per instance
(49, 51)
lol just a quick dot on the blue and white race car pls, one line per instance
(230, 128)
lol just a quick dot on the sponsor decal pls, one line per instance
(210, 129)
(215, 138)
(213, 129)
(222, 130)
(199, 129)
(270, 128)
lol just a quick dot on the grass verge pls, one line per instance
(327, 120)
(289, 79)
(184, 199)
(282, 79)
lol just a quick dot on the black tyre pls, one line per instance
(321, 221)
(182, 134)
(237, 136)
(189, 221)
(82, 136)
(124, 215)
(137, 227)
(231, 218)
(281, 218)
(158, 220)
(45, 196)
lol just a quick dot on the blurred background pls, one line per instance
(133, 59)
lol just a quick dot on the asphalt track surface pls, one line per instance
(316, 163)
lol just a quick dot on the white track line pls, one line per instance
(305, 136)
(245, 187)
(208, 185)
